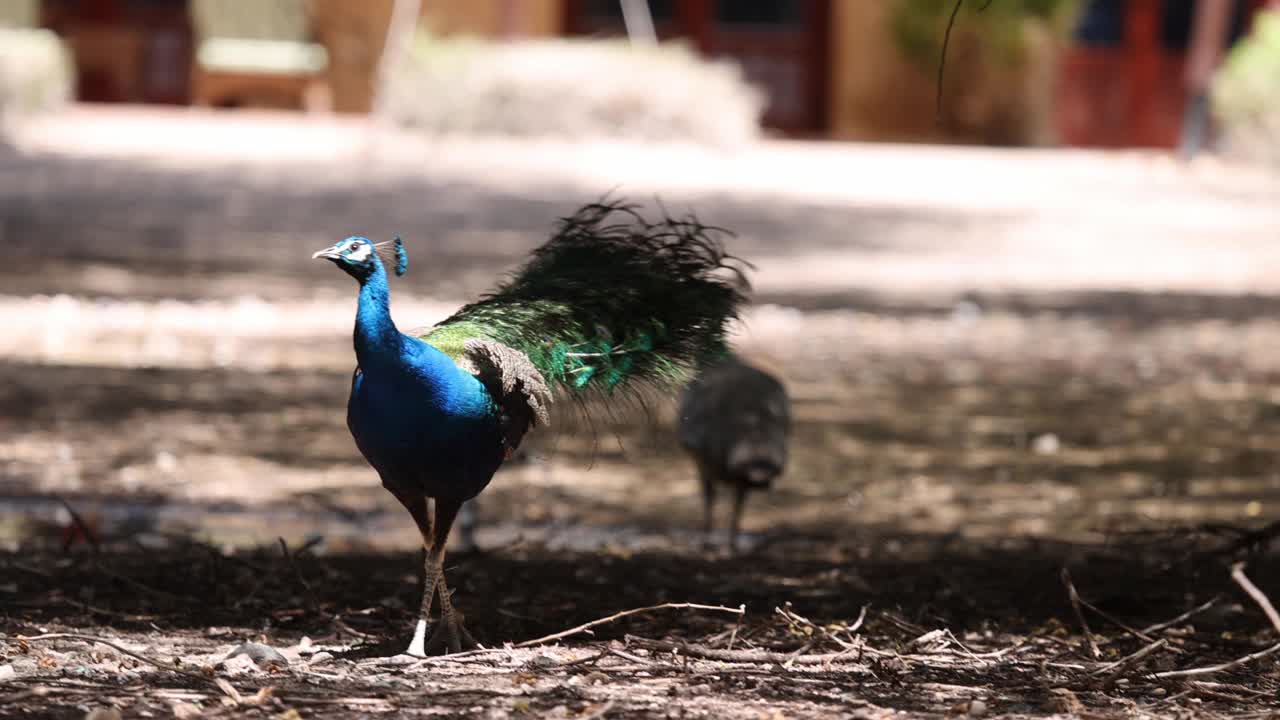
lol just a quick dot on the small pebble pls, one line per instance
(1047, 444)
(7, 673)
(320, 658)
(261, 655)
(238, 665)
(977, 708)
(401, 659)
(542, 662)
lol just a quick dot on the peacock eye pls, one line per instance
(355, 246)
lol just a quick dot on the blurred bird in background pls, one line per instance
(735, 420)
(610, 304)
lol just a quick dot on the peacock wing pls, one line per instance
(517, 388)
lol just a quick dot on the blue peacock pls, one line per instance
(610, 304)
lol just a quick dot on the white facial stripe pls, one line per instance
(361, 253)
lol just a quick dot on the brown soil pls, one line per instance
(957, 446)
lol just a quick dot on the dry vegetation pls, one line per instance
(572, 89)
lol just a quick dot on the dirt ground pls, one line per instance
(997, 409)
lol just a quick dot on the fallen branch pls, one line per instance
(1183, 617)
(1144, 637)
(862, 617)
(586, 627)
(1114, 670)
(168, 667)
(854, 644)
(1223, 686)
(738, 656)
(588, 660)
(1237, 574)
(1075, 606)
(733, 636)
(1202, 689)
(418, 664)
(629, 657)
(345, 627)
(795, 619)
(791, 657)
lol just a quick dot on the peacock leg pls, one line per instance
(467, 526)
(739, 499)
(430, 582)
(708, 499)
(450, 635)
(417, 507)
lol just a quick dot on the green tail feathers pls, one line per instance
(611, 300)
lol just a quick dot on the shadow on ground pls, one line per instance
(948, 622)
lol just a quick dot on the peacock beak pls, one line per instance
(330, 253)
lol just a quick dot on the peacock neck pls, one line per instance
(376, 338)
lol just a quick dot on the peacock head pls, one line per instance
(358, 256)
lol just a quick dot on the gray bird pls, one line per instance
(735, 420)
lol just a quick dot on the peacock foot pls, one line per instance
(449, 636)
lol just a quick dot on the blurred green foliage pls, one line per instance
(919, 26)
(1246, 92)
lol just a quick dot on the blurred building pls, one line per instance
(1123, 79)
(830, 67)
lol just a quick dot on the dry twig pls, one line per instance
(297, 573)
(1114, 670)
(1183, 617)
(588, 660)
(1116, 621)
(629, 657)
(1075, 606)
(1237, 574)
(733, 636)
(739, 656)
(78, 521)
(586, 627)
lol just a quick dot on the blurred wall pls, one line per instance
(873, 88)
(878, 94)
(494, 18)
(354, 32)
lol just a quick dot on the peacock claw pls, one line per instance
(450, 636)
